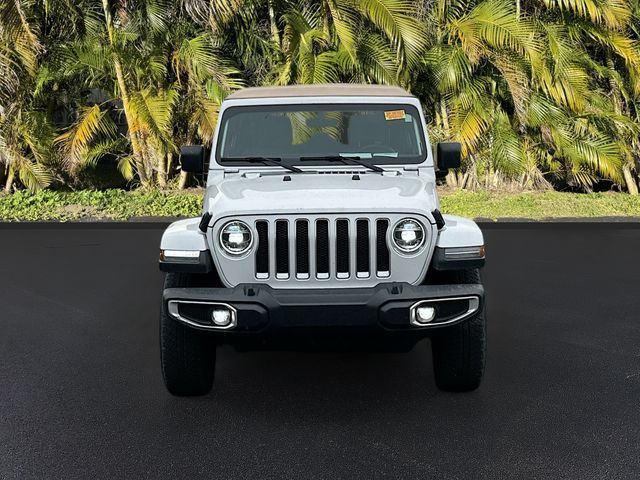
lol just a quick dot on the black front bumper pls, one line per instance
(266, 316)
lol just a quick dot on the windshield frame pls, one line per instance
(409, 107)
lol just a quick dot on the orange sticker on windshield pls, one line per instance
(394, 115)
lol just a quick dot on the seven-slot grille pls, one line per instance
(303, 248)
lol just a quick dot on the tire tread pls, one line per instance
(459, 351)
(187, 355)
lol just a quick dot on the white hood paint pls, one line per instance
(321, 193)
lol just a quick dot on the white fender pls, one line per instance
(184, 235)
(459, 232)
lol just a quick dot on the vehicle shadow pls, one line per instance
(327, 386)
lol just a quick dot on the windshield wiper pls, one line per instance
(265, 161)
(344, 159)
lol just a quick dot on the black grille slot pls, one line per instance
(382, 250)
(362, 246)
(322, 247)
(282, 247)
(342, 246)
(262, 253)
(302, 247)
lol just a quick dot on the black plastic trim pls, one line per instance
(384, 307)
(204, 222)
(437, 216)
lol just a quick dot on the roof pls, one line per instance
(321, 90)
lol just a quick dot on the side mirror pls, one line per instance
(192, 158)
(448, 155)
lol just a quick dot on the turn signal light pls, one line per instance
(464, 253)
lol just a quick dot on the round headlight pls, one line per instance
(236, 238)
(408, 235)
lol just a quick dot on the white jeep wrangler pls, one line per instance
(321, 229)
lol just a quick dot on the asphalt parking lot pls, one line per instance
(81, 393)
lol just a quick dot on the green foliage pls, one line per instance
(106, 204)
(542, 93)
(122, 205)
(540, 205)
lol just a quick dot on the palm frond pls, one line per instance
(127, 167)
(204, 110)
(33, 175)
(449, 66)
(345, 23)
(92, 123)
(375, 60)
(613, 14)
(470, 121)
(101, 149)
(600, 154)
(493, 24)
(623, 45)
(543, 112)
(198, 57)
(507, 153)
(15, 27)
(513, 71)
(397, 19)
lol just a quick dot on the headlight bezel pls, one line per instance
(226, 249)
(415, 250)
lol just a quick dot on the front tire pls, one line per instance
(187, 355)
(459, 351)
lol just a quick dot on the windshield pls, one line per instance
(377, 134)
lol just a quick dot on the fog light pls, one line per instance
(221, 316)
(425, 314)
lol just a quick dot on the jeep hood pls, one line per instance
(321, 193)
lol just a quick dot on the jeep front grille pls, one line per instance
(307, 238)
(322, 251)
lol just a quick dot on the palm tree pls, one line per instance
(316, 41)
(476, 85)
(592, 71)
(518, 86)
(540, 93)
(159, 66)
(25, 133)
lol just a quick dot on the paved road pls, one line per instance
(81, 394)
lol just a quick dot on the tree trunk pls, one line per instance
(184, 176)
(126, 106)
(464, 181)
(326, 18)
(169, 163)
(445, 118)
(135, 142)
(275, 33)
(162, 171)
(148, 155)
(452, 179)
(10, 178)
(632, 186)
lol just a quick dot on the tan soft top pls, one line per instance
(321, 90)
